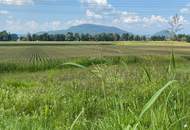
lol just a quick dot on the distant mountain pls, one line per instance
(88, 28)
(165, 33)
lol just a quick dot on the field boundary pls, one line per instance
(54, 43)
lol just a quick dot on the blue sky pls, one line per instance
(136, 16)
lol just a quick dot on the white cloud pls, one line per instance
(20, 26)
(97, 8)
(95, 2)
(103, 12)
(126, 18)
(92, 14)
(155, 20)
(186, 9)
(159, 19)
(133, 18)
(78, 22)
(4, 12)
(13, 25)
(55, 25)
(16, 2)
(101, 9)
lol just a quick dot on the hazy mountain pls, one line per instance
(88, 28)
(165, 33)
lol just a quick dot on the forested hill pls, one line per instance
(88, 28)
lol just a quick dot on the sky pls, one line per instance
(135, 16)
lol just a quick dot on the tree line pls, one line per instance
(178, 37)
(83, 37)
(5, 36)
(101, 37)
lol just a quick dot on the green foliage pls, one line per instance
(154, 98)
(74, 65)
(33, 59)
(84, 37)
(109, 94)
(5, 36)
(183, 37)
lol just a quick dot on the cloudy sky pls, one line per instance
(136, 16)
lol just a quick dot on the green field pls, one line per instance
(109, 86)
(90, 49)
(46, 55)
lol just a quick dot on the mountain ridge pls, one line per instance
(88, 28)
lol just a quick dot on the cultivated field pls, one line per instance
(89, 49)
(109, 86)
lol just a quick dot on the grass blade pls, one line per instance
(75, 121)
(172, 65)
(173, 62)
(154, 98)
(128, 127)
(183, 118)
(147, 73)
(74, 65)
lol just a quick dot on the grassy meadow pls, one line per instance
(96, 87)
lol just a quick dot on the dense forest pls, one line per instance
(5, 36)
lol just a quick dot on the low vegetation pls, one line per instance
(102, 92)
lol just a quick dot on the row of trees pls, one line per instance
(179, 37)
(101, 37)
(84, 37)
(5, 36)
(183, 37)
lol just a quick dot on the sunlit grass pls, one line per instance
(155, 43)
(106, 93)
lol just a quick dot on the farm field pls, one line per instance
(50, 55)
(78, 49)
(119, 86)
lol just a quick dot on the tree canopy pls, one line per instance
(5, 36)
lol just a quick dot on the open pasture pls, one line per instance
(112, 87)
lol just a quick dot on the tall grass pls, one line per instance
(120, 93)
